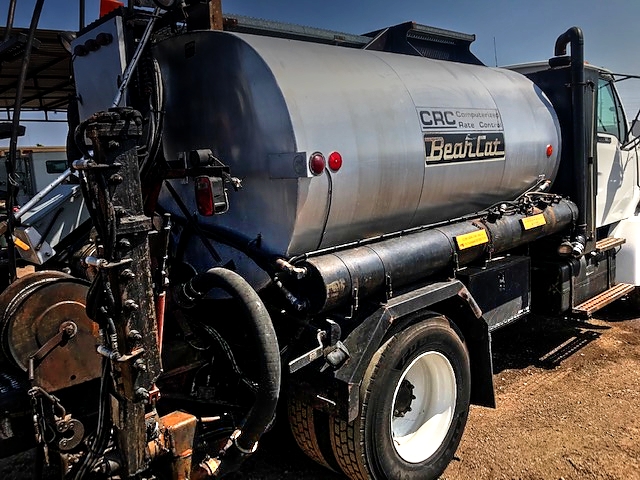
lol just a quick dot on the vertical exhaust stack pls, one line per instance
(584, 228)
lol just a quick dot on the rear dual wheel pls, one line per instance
(415, 402)
(310, 428)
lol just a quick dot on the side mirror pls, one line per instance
(633, 135)
(635, 128)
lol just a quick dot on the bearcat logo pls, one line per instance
(460, 147)
(461, 134)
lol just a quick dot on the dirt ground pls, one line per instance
(568, 405)
(568, 398)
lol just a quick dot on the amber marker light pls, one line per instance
(549, 150)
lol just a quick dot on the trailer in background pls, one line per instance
(36, 167)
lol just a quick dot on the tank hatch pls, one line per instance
(407, 38)
(411, 38)
(270, 28)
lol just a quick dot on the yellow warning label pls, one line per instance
(472, 239)
(20, 244)
(534, 221)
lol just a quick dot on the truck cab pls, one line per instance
(617, 156)
(612, 151)
(618, 178)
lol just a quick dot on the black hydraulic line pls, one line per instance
(101, 439)
(10, 163)
(244, 441)
(328, 210)
(574, 37)
(226, 349)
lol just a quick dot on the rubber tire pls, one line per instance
(364, 448)
(311, 433)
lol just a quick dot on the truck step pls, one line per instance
(609, 243)
(588, 308)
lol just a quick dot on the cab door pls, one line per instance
(617, 168)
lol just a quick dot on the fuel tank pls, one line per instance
(420, 140)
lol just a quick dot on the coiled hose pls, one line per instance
(244, 441)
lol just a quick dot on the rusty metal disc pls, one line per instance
(35, 314)
(14, 291)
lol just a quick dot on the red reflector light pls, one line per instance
(335, 161)
(549, 150)
(107, 6)
(317, 163)
(204, 196)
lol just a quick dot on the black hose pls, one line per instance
(10, 163)
(261, 328)
(101, 440)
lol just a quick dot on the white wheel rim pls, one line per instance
(421, 430)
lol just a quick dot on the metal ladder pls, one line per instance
(588, 308)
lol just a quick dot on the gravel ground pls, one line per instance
(568, 398)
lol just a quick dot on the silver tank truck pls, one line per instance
(418, 140)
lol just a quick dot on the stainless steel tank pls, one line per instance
(421, 140)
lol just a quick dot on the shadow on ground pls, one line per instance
(541, 342)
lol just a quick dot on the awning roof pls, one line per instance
(48, 86)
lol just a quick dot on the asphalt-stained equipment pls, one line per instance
(254, 212)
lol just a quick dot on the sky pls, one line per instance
(521, 30)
